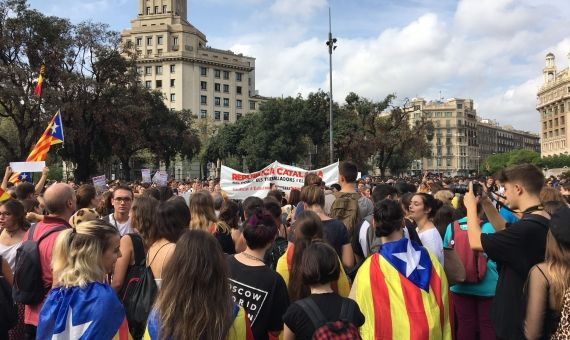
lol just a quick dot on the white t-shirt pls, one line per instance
(432, 241)
(124, 228)
(9, 253)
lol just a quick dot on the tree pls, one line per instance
(500, 161)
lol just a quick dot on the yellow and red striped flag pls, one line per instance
(403, 294)
(4, 196)
(39, 84)
(53, 134)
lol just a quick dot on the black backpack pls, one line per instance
(28, 288)
(8, 310)
(272, 255)
(342, 329)
(132, 279)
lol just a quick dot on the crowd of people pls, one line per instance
(403, 258)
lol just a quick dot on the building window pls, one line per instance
(138, 41)
(238, 103)
(226, 88)
(172, 68)
(203, 71)
(238, 89)
(172, 97)
(217, 101)
(171, 82)
(159, 40)
(203, 113)
(252, 105)
(148, 84)
(159, 52)
(226, 102)
(148, 70)
(217, 87)
(203, 100)
(159, 84)
(217, 115)
(155, 9)
(203, 86)
(238, 76)
(459, 106)
(174, 41)
(226, 116)
(159, 70)
(238, 115)
(217, 73)
(148, 41)
(148, 11)
(226, 74)
(148, 52)
(163, 8)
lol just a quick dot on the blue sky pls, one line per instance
(489, 50)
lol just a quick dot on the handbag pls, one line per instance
(453, 267)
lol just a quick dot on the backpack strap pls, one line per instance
(346, 310)
(454, 229)
(31, 232)
(138, 249)
(51, 231)
(313, 311)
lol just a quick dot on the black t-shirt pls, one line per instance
(226, 241)
(262, 293)
(336, 234)
(329, 304)
(515, 249)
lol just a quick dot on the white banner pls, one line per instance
(27, 166)
(160, 178)
(239, 185)
(145, 175)
(100, 184)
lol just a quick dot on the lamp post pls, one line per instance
(331, 44)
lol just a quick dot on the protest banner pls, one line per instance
(100, 184)
(27, 166)
(145, 175)
(160, 178)
(240, 185)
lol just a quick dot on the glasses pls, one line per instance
(123, 199)
(5, 214)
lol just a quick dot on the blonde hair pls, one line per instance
(444, 195)
(78, 253)
(558, 263)
(202, 213)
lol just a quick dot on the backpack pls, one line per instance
(278, 248)
(135, 271)
(345, 209)
(474, 262)
(342, 329)
(28, 288)
(8, 310)
(139, 299)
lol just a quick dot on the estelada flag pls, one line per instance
(4, 196)
(341, 286)
(403, 293)
(53, 134)
(40, 81)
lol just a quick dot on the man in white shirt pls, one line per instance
(122, 202)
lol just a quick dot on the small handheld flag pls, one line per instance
(4, 196)
(25, 177)
(38, 88)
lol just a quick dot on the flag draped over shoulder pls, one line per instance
(403, 293)
(341, 286)
(93, 312)
(40, 82)
(53, 134)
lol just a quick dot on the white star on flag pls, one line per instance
(24, 177)
(71, 331)
(54, 128)
(411, 257)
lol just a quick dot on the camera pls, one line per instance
(463, 188)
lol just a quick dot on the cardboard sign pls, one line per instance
(160, 178)
(27, 166)
(100, 184)
(240, 185)
(146, 176)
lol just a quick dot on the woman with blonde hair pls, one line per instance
(82, 257)
(549, 280)
(203, 217)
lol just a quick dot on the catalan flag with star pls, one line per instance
(403, 293)
(53, 134)
(4, 196)
(40, 82)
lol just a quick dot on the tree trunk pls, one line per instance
(126, 169)
(82, 172)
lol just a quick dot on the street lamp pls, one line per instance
(331, 43)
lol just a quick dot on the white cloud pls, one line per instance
(297, 8)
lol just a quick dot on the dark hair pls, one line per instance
(229, 213)
(404, 188)
(85, 194)
(218, 201)
(16, 209)
(406, 200)
(312, 178)
(382, 191)
(105, 207)
(172, 218)
(336, 186)
(308, 227)
(259, 230)
(551, 206)
(24, 190)
(349, 171)
(388, 215)
(319, 264)
(528, 175)
(276, 194)
(143, 217)
(294, 196)
(313, 195)
(251, 205)
(444, 216)
(164, 193)
(152, 192)
(430, 202)
(30, 204)
(123, 187)
(272, 206)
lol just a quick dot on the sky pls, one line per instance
(491, 51)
